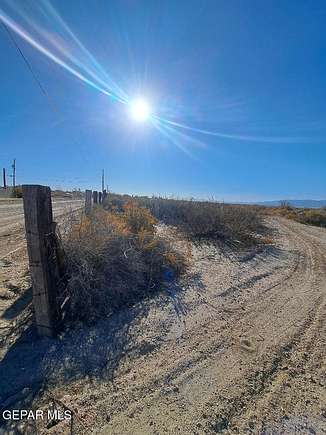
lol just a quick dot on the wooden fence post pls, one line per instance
(100, 197)
(39, 227)
(88, 202)
(104, 196)
(95, 197)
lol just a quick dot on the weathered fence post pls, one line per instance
(100, 197)
(104, 195)
(39, 227)
(95, 197)
(88, 201)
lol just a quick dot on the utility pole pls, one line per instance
(4, 178)
(14, 174)
(102, 180)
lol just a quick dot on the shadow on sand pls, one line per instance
(31, 363)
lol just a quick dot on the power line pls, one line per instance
(49, 99)
(29, 66)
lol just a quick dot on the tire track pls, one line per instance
(12, 234)
(245, 369)
(268, 385)
(230, 366)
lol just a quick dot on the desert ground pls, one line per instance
(237, 346)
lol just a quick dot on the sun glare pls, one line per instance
(140, 110)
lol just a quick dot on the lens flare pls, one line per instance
(140, 110)
(46, 31)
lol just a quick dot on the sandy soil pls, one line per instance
(238, 347)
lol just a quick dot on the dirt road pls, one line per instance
(249, 351)
(12, 220)
(239, 347)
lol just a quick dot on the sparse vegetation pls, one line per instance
(11, 192)
(17, 192)
(201, 220)
(115, 258)
(316, 217)
(73, 194)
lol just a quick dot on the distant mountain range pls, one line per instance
(301, 203)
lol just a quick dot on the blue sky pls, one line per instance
(243, 80)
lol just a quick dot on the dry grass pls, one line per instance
(114, 259)
(11, 192)
(202, 220)
(316, 217)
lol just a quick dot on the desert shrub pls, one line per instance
(113, 260)
(203, 220)
(242, 223)
(138, 219)
(115, 202)
(316, 217)
(17, 192)
(312, 217)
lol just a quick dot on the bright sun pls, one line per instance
(140, 110)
